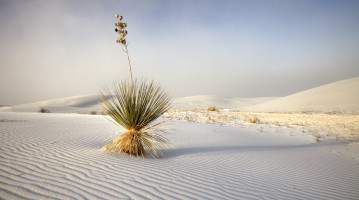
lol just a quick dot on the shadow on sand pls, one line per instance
(181, 151)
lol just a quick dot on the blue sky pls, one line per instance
(241, 48)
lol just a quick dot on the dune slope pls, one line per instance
(341, 96)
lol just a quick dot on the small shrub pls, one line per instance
(253, 119)
(93, 112)
(212, 108)
(44, 110)
(135, 106)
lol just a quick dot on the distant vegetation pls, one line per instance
(93, 112)
(253, 119)
(44, 110)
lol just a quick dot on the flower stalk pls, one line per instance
(122, 40)
(129, 62)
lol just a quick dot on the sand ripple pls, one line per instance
(58, 156)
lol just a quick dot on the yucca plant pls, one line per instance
(136, 105)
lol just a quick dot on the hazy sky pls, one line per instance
(239, 48)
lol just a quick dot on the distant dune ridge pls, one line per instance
(341, 96)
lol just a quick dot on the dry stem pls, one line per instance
(129, 62)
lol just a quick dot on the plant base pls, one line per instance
(134, 143)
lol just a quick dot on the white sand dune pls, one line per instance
(341, 96)
(58, 156)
